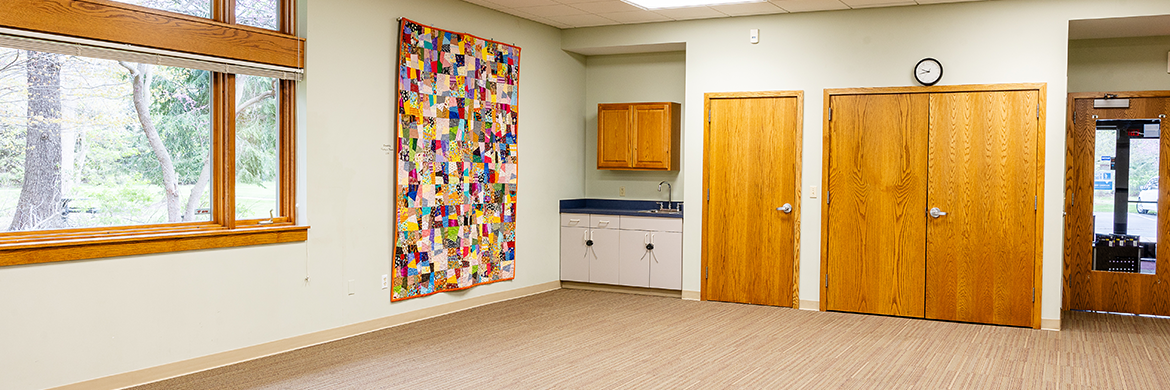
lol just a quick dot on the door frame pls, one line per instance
(1042, 99)
(1067, 244)
(799, 137)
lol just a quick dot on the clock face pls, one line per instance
(928, 71)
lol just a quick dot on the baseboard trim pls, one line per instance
(203, 363)
(690, 295)
(621, 289)
(1050, 324)
(810, 305)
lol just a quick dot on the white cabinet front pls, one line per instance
(666, 266)
(574, 254)
(603, 256)
(634, 258)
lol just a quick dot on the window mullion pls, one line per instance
(224, 144)
(287, 16)
(286, 141)
(224, 11)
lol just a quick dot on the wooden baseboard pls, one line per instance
(691, 295)
(1050, 324)
(621, 289)
(810, 305)
(203, 363)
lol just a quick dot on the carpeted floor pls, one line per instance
(586, 339)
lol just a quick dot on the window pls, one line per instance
(114, 142)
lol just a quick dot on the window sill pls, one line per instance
(141, 243)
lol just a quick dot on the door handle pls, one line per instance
(786, 208)
(935, 212)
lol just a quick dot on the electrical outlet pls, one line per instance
(349, 286)
(622, 191)
(385, 281)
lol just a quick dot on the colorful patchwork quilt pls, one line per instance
(456, 161)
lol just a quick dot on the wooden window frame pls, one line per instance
(218, 36)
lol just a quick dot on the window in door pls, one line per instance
(1125, 195)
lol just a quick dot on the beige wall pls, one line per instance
(67, 322)
(978, 43)
(624, 78)
(1120, 64)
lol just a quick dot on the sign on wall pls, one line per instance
(456, 161)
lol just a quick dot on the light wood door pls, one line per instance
(652, 138)
(1085, 288)
(876, 260)
(981, 255)
(751, 173)
(614, 129)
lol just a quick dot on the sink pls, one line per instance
(660, 211)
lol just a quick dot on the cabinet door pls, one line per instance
(574, 254)
(634, 259)
(652, 136)
(603, 256)
(666, 264)
(614, 127)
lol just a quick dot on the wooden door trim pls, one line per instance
(1042, 100)
(799, 137)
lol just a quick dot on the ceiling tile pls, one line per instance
(809, 5)
(583, 20)
(749, 9)
(877, 3)
(605, 7)
(522, 3)
(691, 13)
(545, 11)
(639, 16)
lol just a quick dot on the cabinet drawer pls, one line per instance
(652, 223)
(574, 220)
(601, 221)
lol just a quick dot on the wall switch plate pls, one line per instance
(812, 193)
(622, 191)
(385, 281)
(754, 35)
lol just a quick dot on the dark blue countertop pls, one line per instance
(616, 207)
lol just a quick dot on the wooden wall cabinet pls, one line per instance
(638, 136)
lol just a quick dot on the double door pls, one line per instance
(932, 205)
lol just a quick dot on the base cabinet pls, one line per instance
(627, 251)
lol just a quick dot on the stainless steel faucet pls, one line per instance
(669, 195)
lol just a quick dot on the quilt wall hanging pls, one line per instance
(456, 161)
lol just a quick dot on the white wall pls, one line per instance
(978, 43)
(627, 78)
(1119, 64)
(66, 322)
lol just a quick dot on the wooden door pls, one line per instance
(652, 136)
(614, 126)
(980, 257)
(1085, 288)
(751, 173)
(876, 204)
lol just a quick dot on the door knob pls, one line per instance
(935, 212)
(786, 208)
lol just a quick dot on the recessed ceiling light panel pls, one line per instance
(664, 4)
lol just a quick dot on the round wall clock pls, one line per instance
(928, 71)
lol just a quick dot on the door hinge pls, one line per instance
(708, 116)
(1074, 117)
(830, 114)
(708, 194)
(827, 193)
(1033, 295)
(1074, 200)
(1037, 111)
(1035, 203)
(707, 274)
(826, 280)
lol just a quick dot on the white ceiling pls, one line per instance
(588, 13)
(1138, 26)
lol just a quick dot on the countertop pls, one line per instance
(616, 207)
